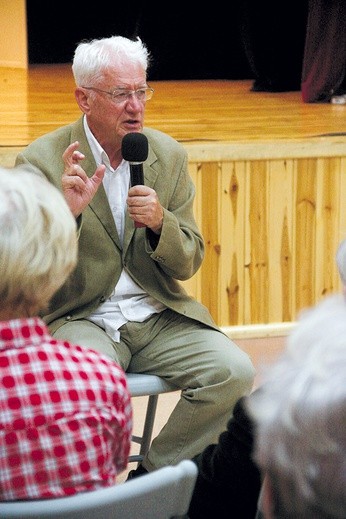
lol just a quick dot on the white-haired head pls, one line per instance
(38, 241)
(93, 58)
(300, 417)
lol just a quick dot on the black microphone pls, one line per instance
(134, 149)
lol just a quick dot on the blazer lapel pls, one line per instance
(99, 204)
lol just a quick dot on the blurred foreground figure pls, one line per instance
(300, 419)
(65, 411)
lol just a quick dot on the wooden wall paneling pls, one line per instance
(258, 234)
(336, 284)
(232, 233)
(271, 229)
(280, 197)
(210, 226)
(193, 285)
(341, 228)
(328, 174)
(305, 232)
(247, 247)
(335, 195)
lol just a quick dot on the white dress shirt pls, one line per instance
(128, 302)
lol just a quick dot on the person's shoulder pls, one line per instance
(60, 136)
(54, 135)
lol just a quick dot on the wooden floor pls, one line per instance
(40, 99)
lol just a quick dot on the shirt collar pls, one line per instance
(98, 152)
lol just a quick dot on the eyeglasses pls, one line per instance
(120, 95)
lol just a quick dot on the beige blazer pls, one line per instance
(155, 263)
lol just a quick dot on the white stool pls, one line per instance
(151, 386)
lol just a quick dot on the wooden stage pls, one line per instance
(270, 176)
(40, 99)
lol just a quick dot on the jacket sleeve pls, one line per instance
(179, 250)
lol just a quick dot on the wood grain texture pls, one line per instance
(41, 98)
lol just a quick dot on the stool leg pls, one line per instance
(145, 440)
(148, 424)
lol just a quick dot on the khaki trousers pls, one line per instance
(211, 371)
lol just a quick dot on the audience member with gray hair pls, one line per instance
(300, 418)
(38, 242)
(65, 411)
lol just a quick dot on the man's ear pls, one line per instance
(82, 100)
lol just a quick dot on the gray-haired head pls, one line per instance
(92, 58)
(38, 240)
(300, 417)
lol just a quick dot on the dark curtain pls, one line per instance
(55, 28)
(324, 64)
(262, 40)
(273, 35)
(203, 44)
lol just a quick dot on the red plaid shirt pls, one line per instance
(65, 415)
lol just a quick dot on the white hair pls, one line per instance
(300, 417)
(93, 58)
(38, 240)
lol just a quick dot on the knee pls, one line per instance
(236, 371)
(243, 367)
